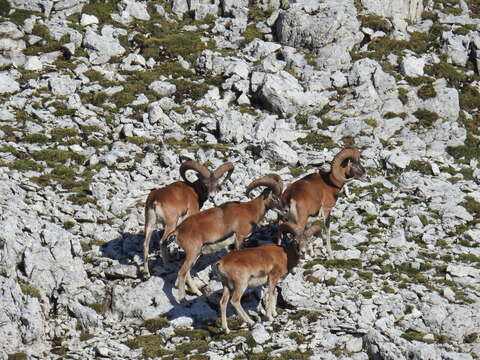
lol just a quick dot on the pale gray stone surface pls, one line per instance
(404, 9)
(8, 84)
(282, 95)
(163, 88)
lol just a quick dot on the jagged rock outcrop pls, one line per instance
(99, 107)
(329, 29)
(404, 9)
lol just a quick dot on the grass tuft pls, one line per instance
(30, 291)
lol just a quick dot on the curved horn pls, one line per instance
(222, 169)
(278, 179)
(270, 181)
(290, 228)
(339, 158)
(313, 230)
(195, 166)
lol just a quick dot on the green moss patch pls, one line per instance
(194, 334)
(30, 290)
(152, 345)
(471, 149)
(403, 95)
(36, 138)
(469, 98)
(100, 307)
(317, 141)
(25, 165)
(426, 118)
(310, 315)
(17, 356)
(421, 166)
(19, 16)
(447, 71)
(4, 8)
(414, 335)
(375, 22)
(426, 92)
(155, 324)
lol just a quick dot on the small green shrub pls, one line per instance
(421, 166)
(317, 141)
(55, 156)
(429, 15)
(418, 80)
(152, 345)
(42, 31)
(187, 89)
(155, 324)
(194, 334)
(371, 122)
(30, 290)
(17, 356)
(444, 70)
(426, 92)
(4, 8)
(25, 165)
(36, 138)
(469, 98)
(474, 7)
(102, 9)
(20, 15)
(63, 171)
(426, 118)
(186, 44)
(413, 335)
(251, 33)
(402, 95)
(375, 22)
(200, 346)
(391, 115)
(60, 134)
(84, 336)
(94, 75)
(81, 199)
(99, 307)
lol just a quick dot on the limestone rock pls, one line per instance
(283, 94)
(329, 28)
(412, 66)
(404, 9)
(7, 84)
(163, 88)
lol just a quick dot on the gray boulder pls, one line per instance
(278, 151)
(465, 320)
(379, 346)
(283, 94)
(446, 103)
(10, 30)
(148, 300)
(412, 66)
(51, 263)
(233, 125)
(179, 7)
(22, 320)
(63, 85)
(105, 46)
(330, 29)
(456, 47)
(403, 9)
(8, 85)
(163, 88)
(134, 9)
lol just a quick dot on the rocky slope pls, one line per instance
(100, 102)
